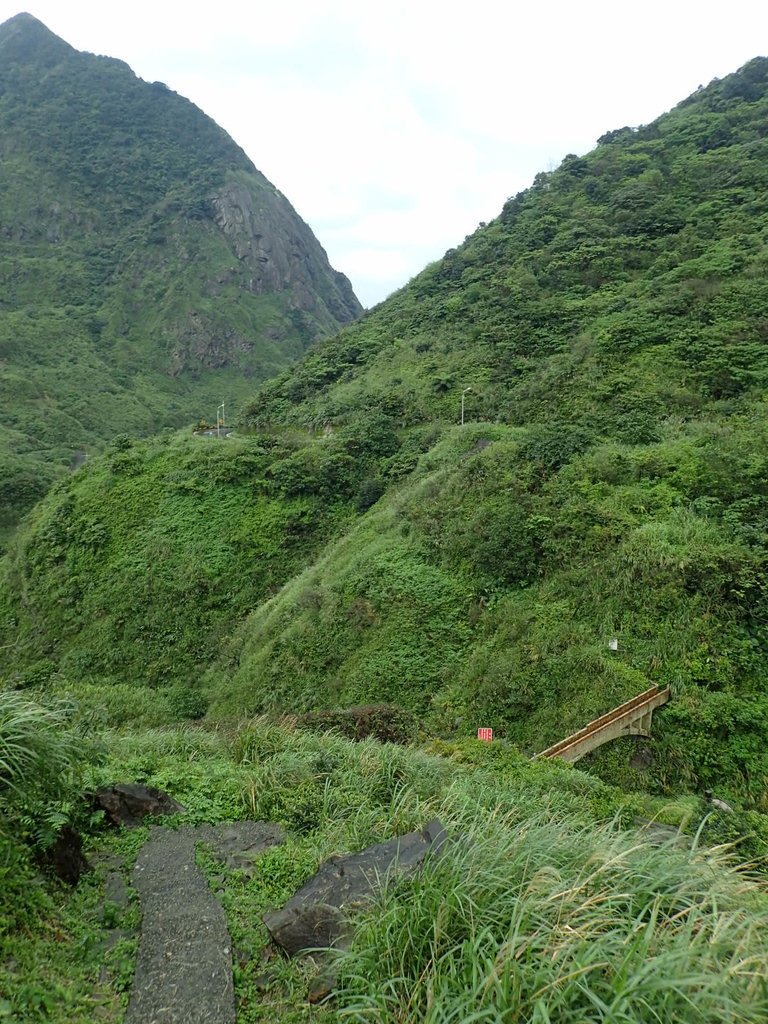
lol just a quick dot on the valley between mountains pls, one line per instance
(528, 487)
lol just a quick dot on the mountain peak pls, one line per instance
(21, 19)
(114, 185)
(24, 38)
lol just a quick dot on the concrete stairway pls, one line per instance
(630, 719)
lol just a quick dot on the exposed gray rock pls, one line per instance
(716, 804)
(129, 804)
(115, 889)
(239, 844)
(280, 252)
(309, 926)
(642, 758)
(657, 834)
(317, 915)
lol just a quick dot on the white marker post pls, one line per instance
(463, 393)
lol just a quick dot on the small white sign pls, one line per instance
(613, 644)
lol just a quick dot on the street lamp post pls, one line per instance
(462, 404)
(219, 419)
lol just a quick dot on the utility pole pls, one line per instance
(462, 404)
(219, 419)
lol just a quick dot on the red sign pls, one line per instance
(485, 734)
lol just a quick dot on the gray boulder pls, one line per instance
(317, 916)
(129, 804)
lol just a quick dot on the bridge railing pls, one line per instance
(631, 710)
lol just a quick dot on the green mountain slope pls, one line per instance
(147, 269)
(610, 481)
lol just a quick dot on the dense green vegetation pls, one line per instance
(144, 267)
(610, 481)
(550, 903)
(355, 543)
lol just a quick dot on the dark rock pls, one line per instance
(317, 916)
(314, 926)
(129, 804)
(66, 857)
(321, 988)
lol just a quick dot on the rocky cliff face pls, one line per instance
(279, 250)
(141, 252)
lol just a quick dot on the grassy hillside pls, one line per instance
(610, 480)
(217, 542)
(588, 919)
(147, 269)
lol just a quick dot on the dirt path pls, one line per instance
(184, 967)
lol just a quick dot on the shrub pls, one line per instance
(187, 703)
(380, 721)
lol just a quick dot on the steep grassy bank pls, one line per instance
(143, 561)
(484, 587)
(487, 589)
(550, 902)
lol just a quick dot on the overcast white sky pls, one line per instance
(394, 128)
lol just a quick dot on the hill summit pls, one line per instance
(147, 268)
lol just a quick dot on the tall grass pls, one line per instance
(542, 910)
(542, 922)
(40, 754)
(41, 759)
(537, 913)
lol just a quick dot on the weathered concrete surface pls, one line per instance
(633, 718)
(317, 915)
(184, 967)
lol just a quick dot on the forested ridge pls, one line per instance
(597, 524)
(147, 269)
(609, 480)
